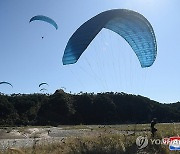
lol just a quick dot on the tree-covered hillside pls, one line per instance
(83, 108)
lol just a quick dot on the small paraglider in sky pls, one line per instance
(4, 82)
(43, 83)
(43, 89)
(63, 88)
(130, 25)
(41, 86)
(45, 19)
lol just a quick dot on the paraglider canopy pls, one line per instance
(4, 82)
(132, 26)
(43, 89)
(45, 19)
(43, 83)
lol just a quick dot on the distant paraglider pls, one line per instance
(132, 26)
(6, 83)
(43, 83)
(41, 86)
(63, 88)
(45, 19)
(43, 89)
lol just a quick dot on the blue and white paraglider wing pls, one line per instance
(45, 19)
(130, 25)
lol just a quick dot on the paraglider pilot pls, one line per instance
(153, 129)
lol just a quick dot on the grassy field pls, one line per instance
(104, 139)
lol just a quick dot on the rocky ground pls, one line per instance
(29, 136)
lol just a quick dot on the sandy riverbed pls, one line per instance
(27, 137)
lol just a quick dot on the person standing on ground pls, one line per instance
(153, 129)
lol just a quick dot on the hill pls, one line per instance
(83, 108)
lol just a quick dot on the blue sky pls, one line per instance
(108, 64)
